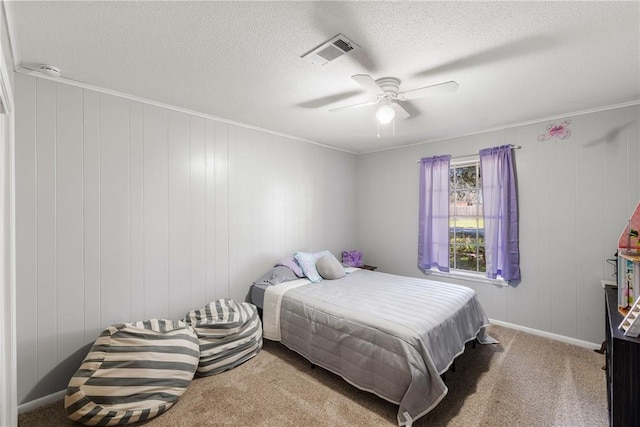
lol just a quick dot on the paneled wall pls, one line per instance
(129, 211)
(8, 404)
(574, 196)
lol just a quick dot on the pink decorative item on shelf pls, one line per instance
(352, 258)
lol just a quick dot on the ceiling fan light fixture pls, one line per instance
(385, 114)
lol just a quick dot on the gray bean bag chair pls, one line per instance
(133, 372)
(230, 333)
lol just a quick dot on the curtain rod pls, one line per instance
(513, 147)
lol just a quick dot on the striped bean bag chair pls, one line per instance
(133, 372)
(230, 333)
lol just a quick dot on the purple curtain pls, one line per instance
(500, 213)
(433, 233)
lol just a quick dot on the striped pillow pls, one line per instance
(133, 372)
(230, 333)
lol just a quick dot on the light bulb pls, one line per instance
(385, 114)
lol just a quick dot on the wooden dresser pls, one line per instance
(622, 366)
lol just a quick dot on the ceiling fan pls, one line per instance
(387, 94)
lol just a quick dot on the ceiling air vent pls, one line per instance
(330, 50)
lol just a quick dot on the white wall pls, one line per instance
(8, 401)
(574, 196)
(129, 211)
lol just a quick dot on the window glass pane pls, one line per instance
(463, 177)
(466, 224)
(465, 236)
(452, 257)
(465, 204)
(452, 203)
(465, 257)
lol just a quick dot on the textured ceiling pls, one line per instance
(240, 61)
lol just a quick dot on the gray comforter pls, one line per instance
(387, 334)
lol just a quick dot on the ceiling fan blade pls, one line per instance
(401, 112)
(346, 107)
(367, 82)
(446, 87)
(525, 46)
(330, 99)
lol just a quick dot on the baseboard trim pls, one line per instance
(561, 338)
(45, 400)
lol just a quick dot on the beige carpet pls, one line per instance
(525, 380)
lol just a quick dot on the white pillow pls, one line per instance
(329, 267)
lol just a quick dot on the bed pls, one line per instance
(387, 334)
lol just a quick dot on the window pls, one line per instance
(466, 222)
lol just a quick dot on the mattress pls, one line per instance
(257, 294)
(387, 334)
